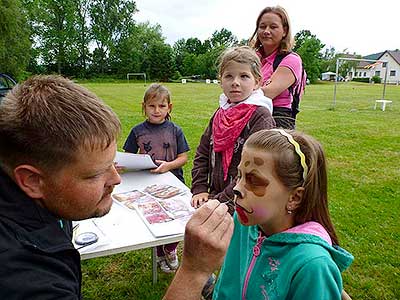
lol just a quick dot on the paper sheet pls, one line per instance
(164, 208)
(132, 161)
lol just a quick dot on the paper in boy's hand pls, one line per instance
(131, 161)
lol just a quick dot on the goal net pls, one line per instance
(136, 75)
(356, 94)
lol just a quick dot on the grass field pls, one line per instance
(363, 150)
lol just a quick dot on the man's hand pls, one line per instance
(207, 237)
(199, 199)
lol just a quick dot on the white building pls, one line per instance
(328, 76)
(369, 69)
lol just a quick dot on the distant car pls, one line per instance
(6, 84)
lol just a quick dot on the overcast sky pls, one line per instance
(361, 26)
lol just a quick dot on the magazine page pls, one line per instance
(131, 161)
(165, 209)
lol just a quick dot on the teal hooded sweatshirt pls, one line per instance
(296, 264)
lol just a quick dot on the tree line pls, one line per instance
(99, 38)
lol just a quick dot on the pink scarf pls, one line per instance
(227, 126)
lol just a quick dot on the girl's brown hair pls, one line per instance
(243, 55)
(286, 43)
(155, 90)
(288, 168)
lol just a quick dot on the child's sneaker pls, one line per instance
(162, 263)
(172, 259)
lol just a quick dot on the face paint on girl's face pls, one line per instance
(254, 183)
(242, 212)
(261, 198)
(260, 212)
(242, 215)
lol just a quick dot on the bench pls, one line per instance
(383, 103)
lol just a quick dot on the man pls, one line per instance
(57, 148)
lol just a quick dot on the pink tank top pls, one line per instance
(291, 61)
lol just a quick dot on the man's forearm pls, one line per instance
(186, 285)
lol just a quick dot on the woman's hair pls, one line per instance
(243, 55)
(46, 120)
(290, 171)
(157, 90)
(286, 43)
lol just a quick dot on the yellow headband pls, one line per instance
(297, 149)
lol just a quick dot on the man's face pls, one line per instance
(83, 188)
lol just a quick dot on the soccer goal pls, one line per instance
(371, 65)
(136, 75)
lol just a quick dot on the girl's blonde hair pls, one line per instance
(289, 170)
(155, 90)
(243, 55)
(287, 42)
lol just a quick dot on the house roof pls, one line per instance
(395, 54)
(376, 56)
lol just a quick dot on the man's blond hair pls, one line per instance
(46, 120)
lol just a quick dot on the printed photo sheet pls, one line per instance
(165, 209)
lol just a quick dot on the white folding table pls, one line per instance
(122, 230)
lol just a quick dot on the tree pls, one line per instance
(308, 46)
(83, 33)
(143, 49)
(328, 63)
(160, 61)
(192, 57)
(56, 37)
(206, 64)
(223, 38)
(194, 46)
(243, 42)
(14, 38)
(111, 22)
(179, 51)
(189, 62)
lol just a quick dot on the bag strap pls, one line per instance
(292, 89)
(278, 59)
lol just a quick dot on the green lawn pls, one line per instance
(363, 150)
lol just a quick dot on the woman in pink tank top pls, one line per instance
(271, 38)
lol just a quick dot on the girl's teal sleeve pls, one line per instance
(318, 279)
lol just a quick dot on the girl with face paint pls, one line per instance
(284, 244)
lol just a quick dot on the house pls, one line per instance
(367, 69)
